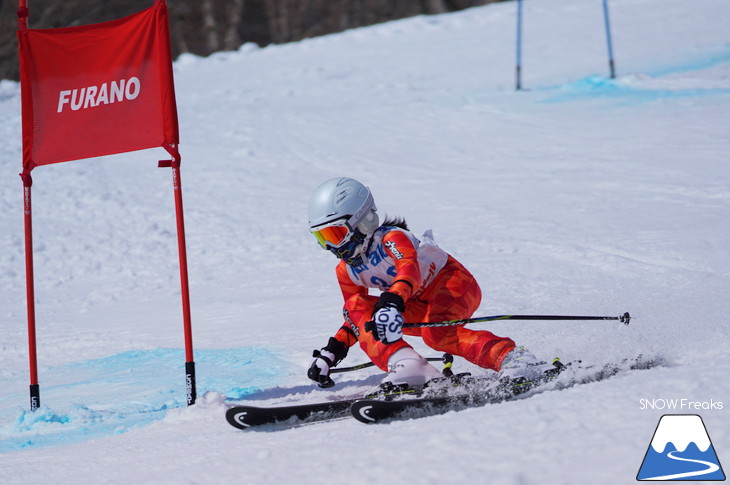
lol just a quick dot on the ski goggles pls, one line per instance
(333, 234)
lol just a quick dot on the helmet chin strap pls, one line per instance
(365, 247)
(362, 250)
(359, 249)
(368, 226)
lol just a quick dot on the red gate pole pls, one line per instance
(35, 394)
(184, 286)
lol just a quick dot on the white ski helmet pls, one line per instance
(338, 209)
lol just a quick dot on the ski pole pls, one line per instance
(518, 57)
(607, 22)
(447, 359)
(625, 318)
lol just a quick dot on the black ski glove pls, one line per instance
(324, 359)
(388, 299)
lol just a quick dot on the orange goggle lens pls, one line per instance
(332, 235)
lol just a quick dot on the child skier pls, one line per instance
(419, 282)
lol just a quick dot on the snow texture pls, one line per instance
(579, 195)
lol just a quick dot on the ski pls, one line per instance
(454, 394)
(245, 417)
(372, 411)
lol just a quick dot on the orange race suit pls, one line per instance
(434, 286)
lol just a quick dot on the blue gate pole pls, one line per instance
(608, 39)
(518, 67)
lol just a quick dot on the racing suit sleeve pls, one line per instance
(407, 278)
(349, 289)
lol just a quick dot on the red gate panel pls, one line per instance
(97, 89)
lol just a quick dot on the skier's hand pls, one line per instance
(387, 325)
(324, 360)
(388, 299)
(319, 370)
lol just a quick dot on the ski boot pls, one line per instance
(408, 373)
(521, 371)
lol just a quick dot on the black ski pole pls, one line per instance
(625, 318)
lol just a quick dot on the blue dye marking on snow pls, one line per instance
(597, 87)
(634, 91)
(114, 394)
(710, 60)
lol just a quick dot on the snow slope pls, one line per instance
(580, 195)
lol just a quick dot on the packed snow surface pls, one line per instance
(580, 195)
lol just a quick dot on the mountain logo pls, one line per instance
(681, 450)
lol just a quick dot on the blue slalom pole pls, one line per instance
(608, 39)
(518, 68)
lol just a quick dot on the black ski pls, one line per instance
(244, 417)
(461, 392)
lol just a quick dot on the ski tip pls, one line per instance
(361, 410)
(236, 417)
